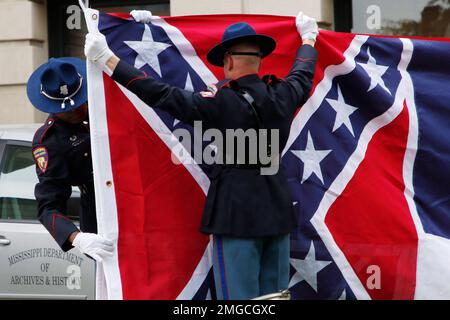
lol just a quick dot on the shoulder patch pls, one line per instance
(40, 155)
(42, 131)
(210, 92)
(207, 94)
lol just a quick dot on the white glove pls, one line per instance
(93, 245)
(143, 16)
(96, 49)
(306, 27)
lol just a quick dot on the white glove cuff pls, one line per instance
(310, 36)
(104, 56)
(102, 60)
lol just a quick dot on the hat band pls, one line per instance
(63, 103)
(238, 53)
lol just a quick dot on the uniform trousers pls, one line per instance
(245, 268)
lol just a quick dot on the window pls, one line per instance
(17, 180)
(427, 18)
(70, 42)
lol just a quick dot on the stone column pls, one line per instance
(23, 47)
(322, 10)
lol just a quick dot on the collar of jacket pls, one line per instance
(244, 81)
(67, 125)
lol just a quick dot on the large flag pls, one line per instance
(367, 162)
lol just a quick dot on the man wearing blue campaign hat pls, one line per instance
(62, 151)
(249, 214)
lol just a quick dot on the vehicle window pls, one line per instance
(17, 181)
(426, 18)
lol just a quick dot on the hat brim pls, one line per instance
(47, 105)
(216, 54)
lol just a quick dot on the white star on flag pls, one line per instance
(343, 112)
(147, 50)
(375, 72)
(307, 269)
(189, 86)
(311, 159)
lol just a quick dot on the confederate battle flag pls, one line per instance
(367, 163)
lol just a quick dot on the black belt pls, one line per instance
(246, 166)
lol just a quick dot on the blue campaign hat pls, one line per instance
(236, 33)
(58, 85)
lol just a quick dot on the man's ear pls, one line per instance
(230, 62)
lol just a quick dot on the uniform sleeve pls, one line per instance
(181, 104)
(298, 84)
(52, 193)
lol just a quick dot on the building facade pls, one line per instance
(31, 31)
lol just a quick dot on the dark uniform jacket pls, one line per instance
(240, 202)
(62, 152)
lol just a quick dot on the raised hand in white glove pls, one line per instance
(143, 16)
(306, 27)
(96, 49)
(93, 245)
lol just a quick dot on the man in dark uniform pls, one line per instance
(62, 151)
(249, 214)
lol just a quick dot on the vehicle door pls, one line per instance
(32, 266)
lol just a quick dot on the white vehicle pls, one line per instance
(32, 266)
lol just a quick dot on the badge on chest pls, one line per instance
(76, 140)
